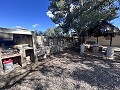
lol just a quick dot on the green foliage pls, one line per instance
(54, 32)
(81, 15)
(50, 32)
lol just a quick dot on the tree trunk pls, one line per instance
(81, 40)
(82, 2)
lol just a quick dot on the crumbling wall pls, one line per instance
(52, 45)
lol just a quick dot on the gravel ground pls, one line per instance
(71, 71)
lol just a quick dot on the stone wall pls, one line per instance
(47, 45)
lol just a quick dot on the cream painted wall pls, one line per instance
(103, 41)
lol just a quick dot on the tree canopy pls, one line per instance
(53, 32)
(81, 15)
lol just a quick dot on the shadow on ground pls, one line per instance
(71, 71)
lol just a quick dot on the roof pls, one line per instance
(16, 31)
(110, 28)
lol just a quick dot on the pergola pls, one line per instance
(104, 29)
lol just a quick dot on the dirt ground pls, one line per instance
(70, 71)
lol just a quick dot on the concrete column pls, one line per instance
(34, 46)
(110, 52)
(23, 57)
(82, 48)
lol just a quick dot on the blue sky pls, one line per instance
(116, 22)
(26, 13)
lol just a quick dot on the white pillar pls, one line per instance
(110, 52)
(34, 46)
(82, 48)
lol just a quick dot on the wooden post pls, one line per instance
(111, 39)
(97, 39)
